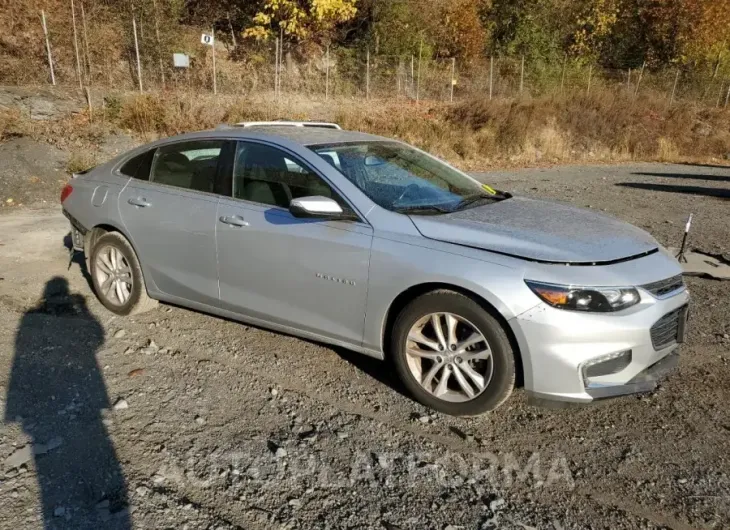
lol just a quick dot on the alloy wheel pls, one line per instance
(449, 357)
(113, 275)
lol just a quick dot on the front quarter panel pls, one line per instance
(399, 262)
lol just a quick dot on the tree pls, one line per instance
(536, 29)
(301, 19)
(595, 21)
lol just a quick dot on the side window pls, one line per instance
(267, 175)
(190, 165)
(139, 166)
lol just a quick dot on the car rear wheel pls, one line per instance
(117, 276)
(452, 355)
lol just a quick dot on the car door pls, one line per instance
(169, 212)
(307, 274)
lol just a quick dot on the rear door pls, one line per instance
(308, 274)
(170, 213)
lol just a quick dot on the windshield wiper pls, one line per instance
(474, 199)
(429, 209)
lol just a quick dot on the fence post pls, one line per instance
(159, 47)
(491, 75)
(714, 74)
(136, 51)
(367, 75)
(412, 76)
(719, 94)
(418, 79)
(628, 81)
(327, 75)
(727, 96)
(88, 102)
(522, 74)
(562, 74)
(281, 59)
(233, 33)
(674, 88)
(76, 46)
(638, 82)
(276, 68)
(86, 44)
(590, 73)
(215, 84)
(48, 48)
(453, 79)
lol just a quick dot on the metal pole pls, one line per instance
(491, 75)
(453, 80)
(418, 79)
(215, 84)
(719, 94)
(233, 33)
(628, 80)
(590, 73)
(281, 58)
(638, 82)
(76, 45)
(522, 75)
(412, 76)
(159, 47)
(86, 44)
(136, 51)
(367, 75)
(562, 75)
(48, 48)
(680, 256)
(88, 102)
(276, 69)
(727, 96)
(327, 75)
(674, 88)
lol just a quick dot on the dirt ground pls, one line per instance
(176, 419)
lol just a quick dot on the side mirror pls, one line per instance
(317, 207)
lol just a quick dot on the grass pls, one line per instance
(80, 161)
(605, 126)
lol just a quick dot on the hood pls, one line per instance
(540, 230)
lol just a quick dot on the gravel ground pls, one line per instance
(175, 419)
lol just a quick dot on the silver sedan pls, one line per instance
(368, 243)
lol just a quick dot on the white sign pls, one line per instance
(207, 39)
(180, 60)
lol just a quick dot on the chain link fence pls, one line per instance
(137, 58)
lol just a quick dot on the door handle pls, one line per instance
(139, 201)
(233, 220)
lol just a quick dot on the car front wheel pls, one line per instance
(452, 355)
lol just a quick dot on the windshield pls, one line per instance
(403, 179)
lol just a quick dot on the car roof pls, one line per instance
(304, 136)
(314, 135)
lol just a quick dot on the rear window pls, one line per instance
(138, 166)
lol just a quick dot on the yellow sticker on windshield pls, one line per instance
(489, 189)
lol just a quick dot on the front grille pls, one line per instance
(664, 287)
(666, 329)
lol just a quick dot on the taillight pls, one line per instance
(66, 191)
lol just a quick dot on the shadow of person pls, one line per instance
(57, 393)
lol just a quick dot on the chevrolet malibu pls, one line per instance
(367, 243)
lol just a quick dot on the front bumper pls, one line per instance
(556, 344)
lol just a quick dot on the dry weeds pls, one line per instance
(604, 126)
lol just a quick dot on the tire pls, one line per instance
(493, 361)
(134, 298)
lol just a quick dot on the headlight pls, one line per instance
(597, 299)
